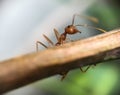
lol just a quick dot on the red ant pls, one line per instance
(70, 29)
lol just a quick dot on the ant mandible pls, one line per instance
(70, 29)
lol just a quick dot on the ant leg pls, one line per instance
(67, 40)
(88, 26)
(49, 41)
(57, 34)
(93, 19)
(63, 74)
(38, 42)
(85, 69)
(94, 65)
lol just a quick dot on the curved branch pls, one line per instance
(22, 70)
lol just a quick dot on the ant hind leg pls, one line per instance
(38, 42)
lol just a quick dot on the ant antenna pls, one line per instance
(93, 19)
(88, 26)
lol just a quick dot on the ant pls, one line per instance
(70, 29)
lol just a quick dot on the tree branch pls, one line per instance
(22, 70)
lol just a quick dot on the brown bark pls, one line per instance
(22, 70)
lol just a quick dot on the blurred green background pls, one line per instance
(103, 79)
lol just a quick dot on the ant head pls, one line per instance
(70, 29)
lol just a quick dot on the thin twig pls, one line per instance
(28, 68)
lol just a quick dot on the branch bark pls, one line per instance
(22, 70)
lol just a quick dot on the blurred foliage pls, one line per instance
(108, 15)
(99, 80)
(103, 79)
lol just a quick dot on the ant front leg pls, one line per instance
(57, 34)
(38, 42)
